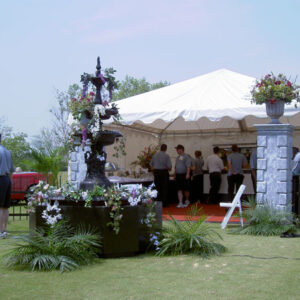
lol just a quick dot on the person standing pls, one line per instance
(161, 165)
(295, 182)
(197, 183)
(182, 176)
(215, 166)
(253, 166)
(236, 163)
(6, 168)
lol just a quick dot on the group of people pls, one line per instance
(188, 174)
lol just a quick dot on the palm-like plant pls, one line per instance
(46, 163)
(264, 219)
(59, 247)
(189, 237)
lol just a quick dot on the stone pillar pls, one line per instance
(77, 166)
(274, 164)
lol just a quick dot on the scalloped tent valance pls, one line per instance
(219, 101)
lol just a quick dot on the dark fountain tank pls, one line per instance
(96, 158)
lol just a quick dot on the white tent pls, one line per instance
(216, 101)
(211, 109)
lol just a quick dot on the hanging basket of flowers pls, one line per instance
(82, 108)
(275, 92)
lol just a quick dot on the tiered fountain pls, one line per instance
(133, 235)
(96, 158)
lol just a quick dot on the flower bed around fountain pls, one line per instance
(126, 217)
(133, 237)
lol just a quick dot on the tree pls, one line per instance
(16, 143)
(18, 147)
(131, 86)
(60, 130)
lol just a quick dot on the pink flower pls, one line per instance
(277, 82)
(289, 83)
(92, 93)
(88, 99)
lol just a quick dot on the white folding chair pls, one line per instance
(235, 203)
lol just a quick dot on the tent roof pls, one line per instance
(218, 100)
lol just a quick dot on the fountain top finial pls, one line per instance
(98, 67)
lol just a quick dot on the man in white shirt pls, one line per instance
(215, 166)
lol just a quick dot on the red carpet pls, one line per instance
(214, 213)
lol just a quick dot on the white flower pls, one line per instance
(152, 193)
(46, 186)
(84, 195)
(133, 201)
(99, 109)
(52, 218)
(58, 191)
(152, 186)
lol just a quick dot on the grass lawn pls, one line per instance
(182, 277)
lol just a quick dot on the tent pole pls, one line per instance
(164, 129)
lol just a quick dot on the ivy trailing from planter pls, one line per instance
(112, 198)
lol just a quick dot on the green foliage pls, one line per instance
(60, 247)
(189, 237)
(131, 86)
(265, 220)
(18, 147)
(46, 163)
(119, 147)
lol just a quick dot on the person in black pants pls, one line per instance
(215, 166)
(161, 165)
(197, 183)
(236, 163)
(6, 168)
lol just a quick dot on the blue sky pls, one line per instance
(47, 44)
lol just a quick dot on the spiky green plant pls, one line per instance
(60, 247)
(265, 219)
(189, 237)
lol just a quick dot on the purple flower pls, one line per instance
(84, 136)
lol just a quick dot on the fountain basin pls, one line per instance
(133, 237)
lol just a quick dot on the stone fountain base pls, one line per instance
(132, 239)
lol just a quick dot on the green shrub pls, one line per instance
(189, 237)
(59, 247)
(265, 220)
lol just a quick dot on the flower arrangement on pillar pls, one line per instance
(275, 91)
